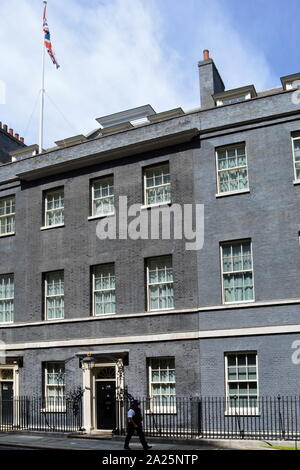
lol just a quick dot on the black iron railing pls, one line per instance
(40, 414)
(217, 417)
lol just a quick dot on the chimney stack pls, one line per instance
(22, 140)
(210, 80)
(11, 131)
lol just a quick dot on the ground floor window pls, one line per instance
(54, 385)
(241, 382)
(162, 384)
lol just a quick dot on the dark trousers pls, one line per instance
(130, 433)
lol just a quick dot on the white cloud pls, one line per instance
(238, 60)
(111, 59)
(114, 56)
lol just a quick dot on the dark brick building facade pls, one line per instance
(235, 303)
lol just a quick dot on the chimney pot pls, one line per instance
(22, 140)
(205, 54)
(17, 136)
(5, 127)
(11, 131)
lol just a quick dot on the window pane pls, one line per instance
(232, 373)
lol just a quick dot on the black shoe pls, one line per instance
(148, 447)
(127, 448)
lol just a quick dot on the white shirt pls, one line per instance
(131, 413)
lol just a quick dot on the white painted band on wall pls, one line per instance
(191, 335)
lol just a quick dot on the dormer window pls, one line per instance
(290, 82)
(237, 95)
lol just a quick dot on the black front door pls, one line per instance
(106, 404)
(7, 394)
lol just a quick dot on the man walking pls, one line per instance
(135, 424)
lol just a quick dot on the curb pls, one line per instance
(236, 444)
(157, 440)
(39, 447)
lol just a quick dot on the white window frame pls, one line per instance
(10, 299)
(60, 407)
(294, 158)
(226, 148)
(46, 296)
(102, 290)
(156, 167)
(112, 196)
(149, 309)
(235, 242)
(11, 215)
(47, 211)
(250, 410)
(168, 409)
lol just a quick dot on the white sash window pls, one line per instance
(7, 298)
(7, 215)
(157, 185)
(54, 208)
(104, 289)
(54, 295)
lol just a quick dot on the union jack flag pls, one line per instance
(48, 43)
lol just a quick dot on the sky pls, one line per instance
(119, 54)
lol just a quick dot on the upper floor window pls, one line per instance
(237, 272)
(241, 382)
(54, 385)
(7, 298)
(160, 283)
(54, 295)
(7, 215)
(103, 196)
(233, 99)
(232, 169)
(54, 207)
(104, 289)
(296, 155)
(236, 95)
(157, 185)
(162, 384)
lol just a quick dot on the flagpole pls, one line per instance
(41, 133)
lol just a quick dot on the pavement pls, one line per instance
(59, 442)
